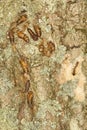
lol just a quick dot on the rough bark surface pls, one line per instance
(43, 75)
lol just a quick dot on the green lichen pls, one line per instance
(59, 54)
(8, 119)
(52, 106)
(5, 84)
(67, 89)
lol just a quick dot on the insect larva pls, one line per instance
(37, 30)
(24, 64)
(41, 48)
(48, 49)
(51, 46)
(32, 34)
(11, 36)
(21, 19)
(27, 86)
(23, 36)
(74, 70)
(30, 96)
